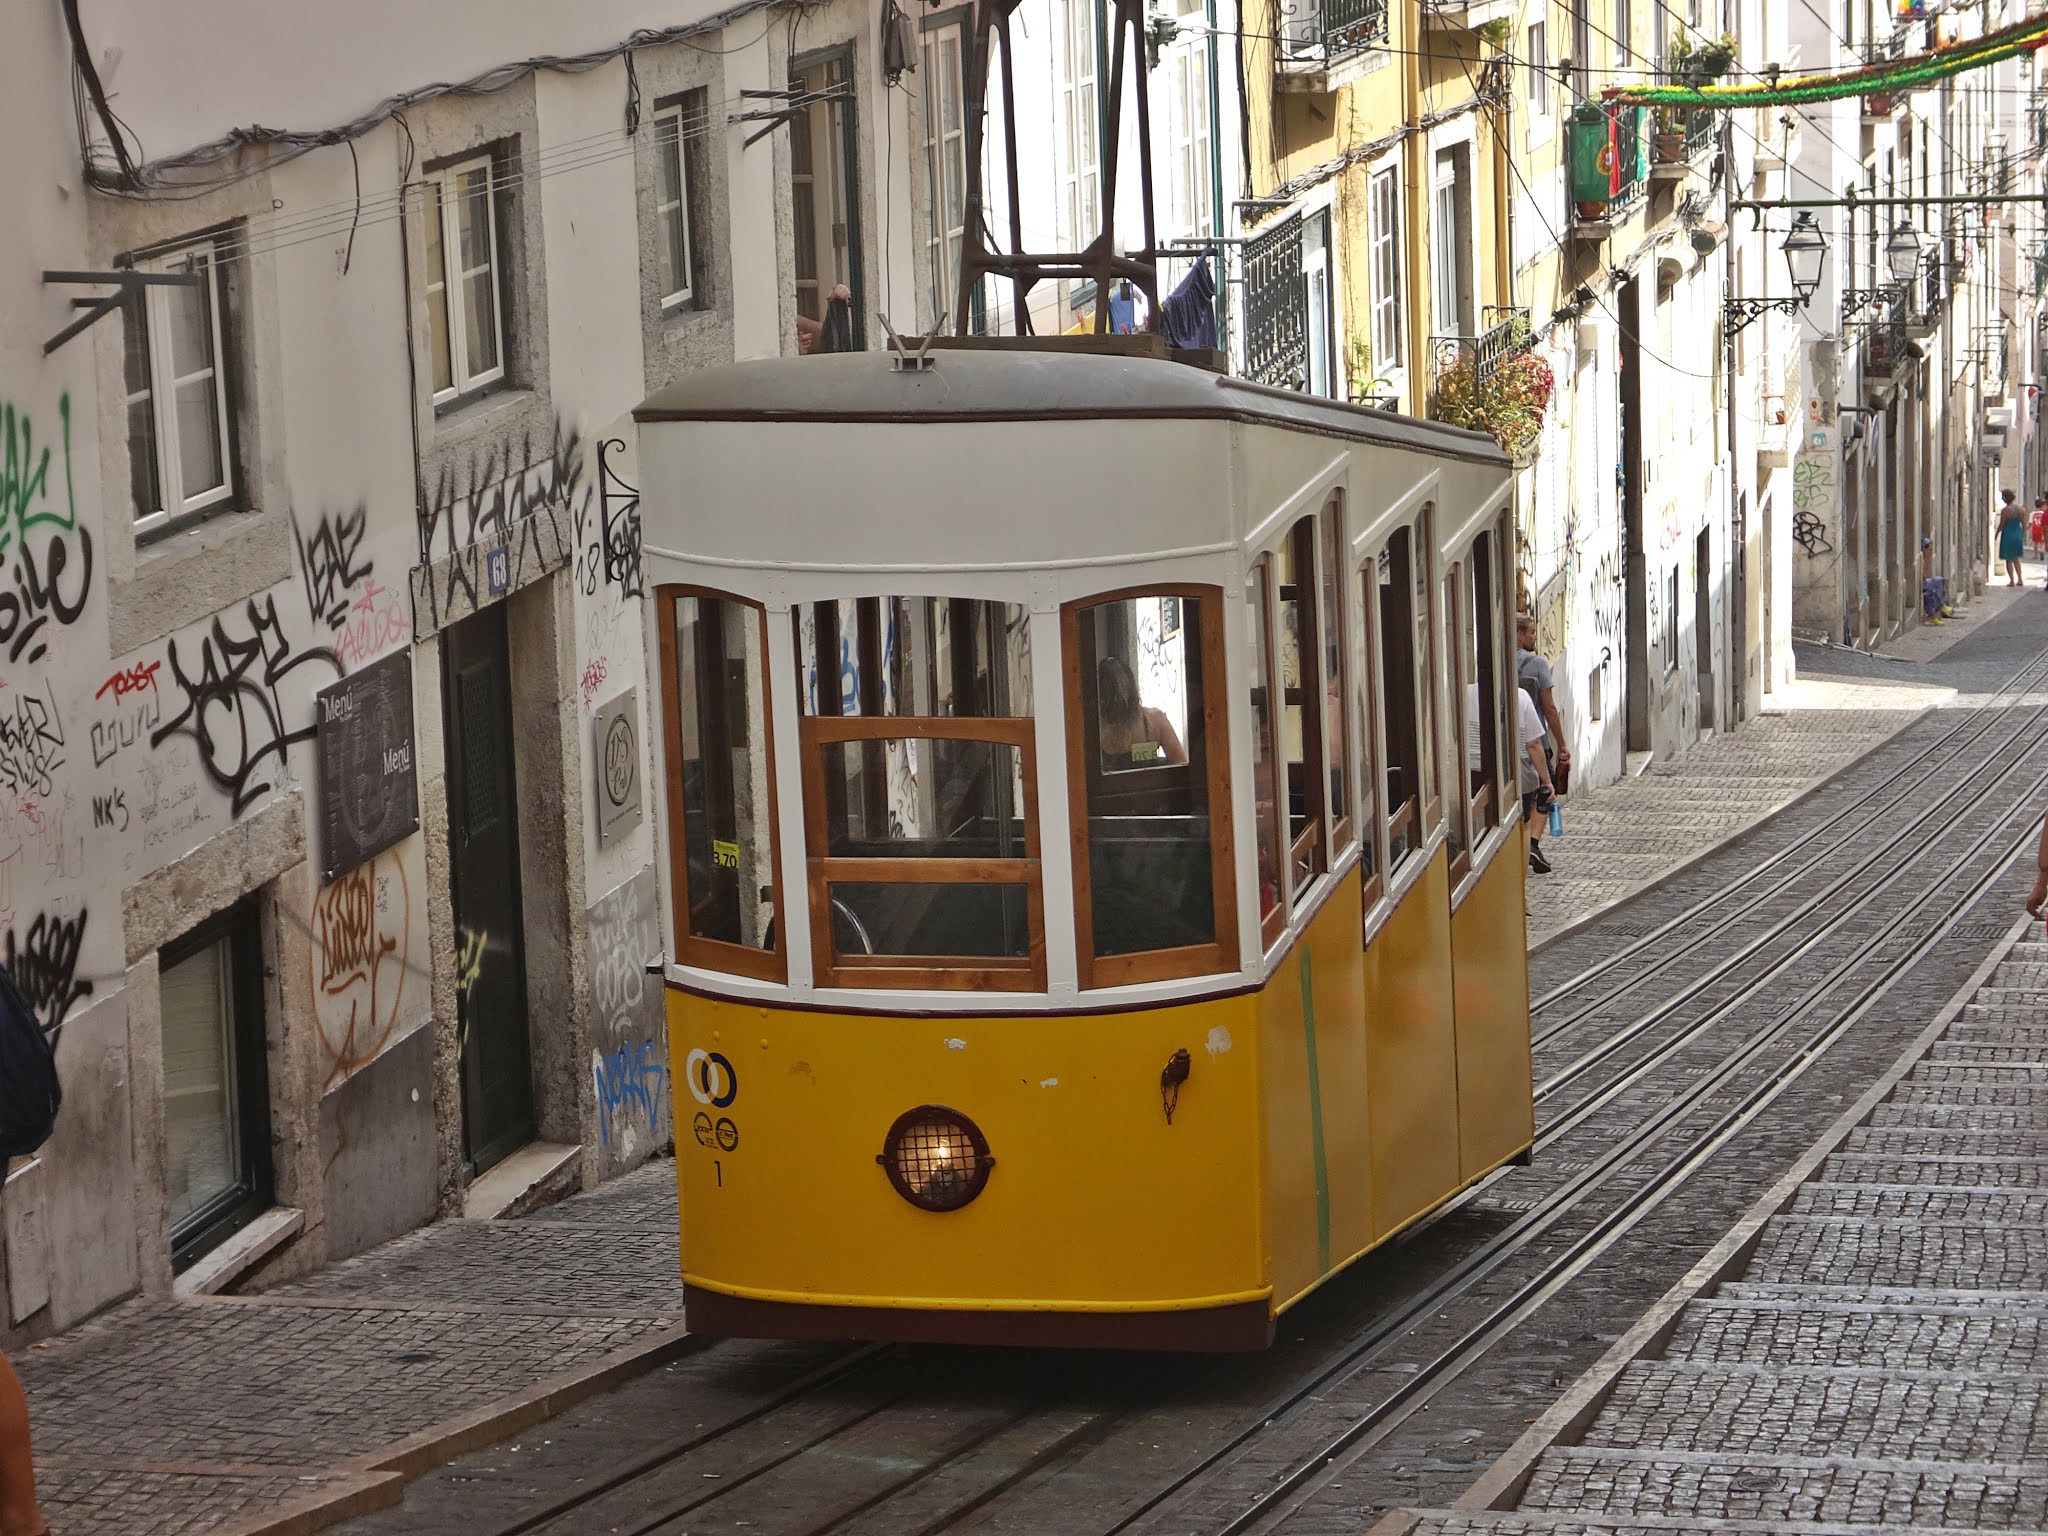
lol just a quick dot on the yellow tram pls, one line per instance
(1082, 932)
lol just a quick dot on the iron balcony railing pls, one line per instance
(1884, 343)
(1319, 32)
(1275, 307)
(1610, 170)
(1506, 336)
(1700, 128)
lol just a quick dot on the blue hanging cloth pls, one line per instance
(1188, 317)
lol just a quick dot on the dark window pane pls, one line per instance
(724, 768)
(931, 921)
(1150, 876)
(923, 797)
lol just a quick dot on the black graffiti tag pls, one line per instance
(330, 563)
(44, 964)
(38, 595)
(231, 709)
(31, 744)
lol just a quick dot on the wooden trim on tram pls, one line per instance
(713, 954)
(1236, 1327)
(1221, 956)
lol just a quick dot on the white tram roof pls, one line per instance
(832, 460)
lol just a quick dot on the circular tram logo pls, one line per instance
(711, 1078)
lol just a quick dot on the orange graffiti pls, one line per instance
(357, 963)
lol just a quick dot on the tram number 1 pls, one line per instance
(718, 1172)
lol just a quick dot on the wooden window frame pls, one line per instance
(691, 949)
(1373, 860)
(1506, 720)
(1463, 831)
(1274, 923)
(1312, 848)
(976, 973)
(1332, 575)
(1402, 818)
(1428, 731)
(1187, 960)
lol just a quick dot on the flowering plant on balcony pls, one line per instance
(1505, 401)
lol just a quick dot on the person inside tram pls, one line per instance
(1131, 734)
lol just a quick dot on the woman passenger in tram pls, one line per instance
(1131, 733)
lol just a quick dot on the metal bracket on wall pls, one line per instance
(128, 284)
(794, 104)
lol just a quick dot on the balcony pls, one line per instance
(1933, 286)
(1678, 148)
(1886, 351)
(1466, 15)
(1325, 44)
(1275, 309)
(1882, 106)
(1608, 152)
(1493, 382)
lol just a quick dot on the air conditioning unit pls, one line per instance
(1998, 418)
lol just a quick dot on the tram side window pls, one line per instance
(1475, 662)
(1304, 703)
(1336, 739)
(1400, 672)
(918, 793)
(1505, 719)
(1370, 868)
(721, 794)
(1267, 832)
(1147, 761)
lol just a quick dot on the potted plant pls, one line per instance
(1368, 388)
(1508, 404)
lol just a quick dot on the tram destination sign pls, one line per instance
(615, 743)
(365, 763)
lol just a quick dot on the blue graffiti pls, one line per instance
(631, 1080)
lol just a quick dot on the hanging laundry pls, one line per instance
(1188, 316)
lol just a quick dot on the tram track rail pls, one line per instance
(1085, 1428)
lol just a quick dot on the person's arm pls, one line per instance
(1162, 731)
(1532, 742)
(2037, 898)
(1564, 753)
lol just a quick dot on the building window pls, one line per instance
(920, 788)
(1276, 323)
(823, 198)
(1386, 270)
(180, 459)
(1315, 284)
(674, 239)
(722, 843)
(465, 306)
(216, 1089)
(945, 137)
(1193, 210)
(1623, 40)
(1451, 242)
(1079, 124)
(1671, 622)
(1539, 69)
(1150, 770)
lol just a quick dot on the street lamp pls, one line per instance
(1902, 252)
(1806, 252)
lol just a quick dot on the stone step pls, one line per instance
(1922, 1202)
(1709, 1486)
(1877, 1415)
(1810, 1331)
(1935, 1168)
(1861, 1251)
(1928, 1139)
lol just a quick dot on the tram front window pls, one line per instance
(1144, 774)
(722, 794)
(918, 791)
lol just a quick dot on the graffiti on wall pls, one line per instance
(629, 1062)
(31, 742)
(358, 957)
(506, 520)
(331, 562)
(46, 554)
(1813, 497)
(227, 701)
(43, 960)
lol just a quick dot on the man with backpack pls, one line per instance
(29, 1099)
(1532, 676)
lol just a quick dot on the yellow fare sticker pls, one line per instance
(725, 855)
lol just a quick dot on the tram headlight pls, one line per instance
(936, 1157)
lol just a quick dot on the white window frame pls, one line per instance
(157, 299)
(945, 157)
(668, 124)
(1384, 265)
(1189, 110)
(445, 205)
(1079, 91)
(1536, 39)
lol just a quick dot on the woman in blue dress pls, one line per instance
(2012, 534)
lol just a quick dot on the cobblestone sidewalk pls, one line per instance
(1627, 835)
(1868, 1350)
(222, 1414)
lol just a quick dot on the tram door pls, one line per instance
(483, 841)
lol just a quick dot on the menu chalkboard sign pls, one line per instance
(368, 779)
